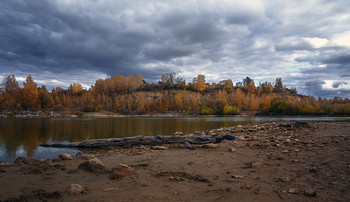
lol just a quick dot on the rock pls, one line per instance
(210, 145)
(45, 161)
(299, 124)
(238, 176)
(285, 151)
(334, 183)
(285, 125)
(246, 186)
(240, 138)
(109, 189)
(178, 133)
(231, 149)
(8, 164)
(308, 191)
(159, 147)
(177, 179)
(65, 156)
(20, 161)
(87, 156)
(256, 164)
(188, 145)
(32, 162)
(284, 179)
(293, 191)
(288, 141)
(122, 170)
(79, 154)
(75, 189)
(94, 165)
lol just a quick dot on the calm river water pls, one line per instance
(20, 137)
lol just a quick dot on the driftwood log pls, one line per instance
(144, 140)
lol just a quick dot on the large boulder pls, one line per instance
(94, 165)
(122, 170)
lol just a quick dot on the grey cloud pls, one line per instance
(337, 84)
(292, 45)
(316, 89)
(338, 59)
(224, 39)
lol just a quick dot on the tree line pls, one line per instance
(132, 95)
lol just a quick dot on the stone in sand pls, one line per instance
(159, 147)
(210, 145)
(75, 189)
(232, 149)
(65, 156)
(122, 170)
(94, 165)
(308, 191)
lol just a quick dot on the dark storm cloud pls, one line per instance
(61, 41)
(339, 59)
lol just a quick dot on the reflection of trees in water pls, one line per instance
(31, 132)
(10, 133)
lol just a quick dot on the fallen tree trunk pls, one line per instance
(145, 140)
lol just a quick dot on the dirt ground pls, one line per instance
(267, 162)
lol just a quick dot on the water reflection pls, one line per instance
(20, 137)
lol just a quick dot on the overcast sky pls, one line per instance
(59, 42)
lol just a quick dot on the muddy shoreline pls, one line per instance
(267, 162)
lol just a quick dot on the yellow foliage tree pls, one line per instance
(30, 94)
(199, 83)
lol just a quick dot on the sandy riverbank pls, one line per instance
(267, 162)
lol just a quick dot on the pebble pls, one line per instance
(75, 189)
(293, 191)
(308, 191)
(238, 176)
(246, 186)
(210, 145)
(231, 149)
(159, 147)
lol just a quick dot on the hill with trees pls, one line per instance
(132, 95)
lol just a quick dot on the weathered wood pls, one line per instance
(144, 140)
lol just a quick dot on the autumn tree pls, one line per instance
(251, 87)
(180, 83)
(75, 88)
(167, 80)
(199, 83)
(227, 85)
(30, 94)
(278, 84)
(45, 98)
(259, 90)
(12, 93)
(238, 97)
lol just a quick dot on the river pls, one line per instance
(20, 137)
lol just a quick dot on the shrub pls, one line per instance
(230, 110)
